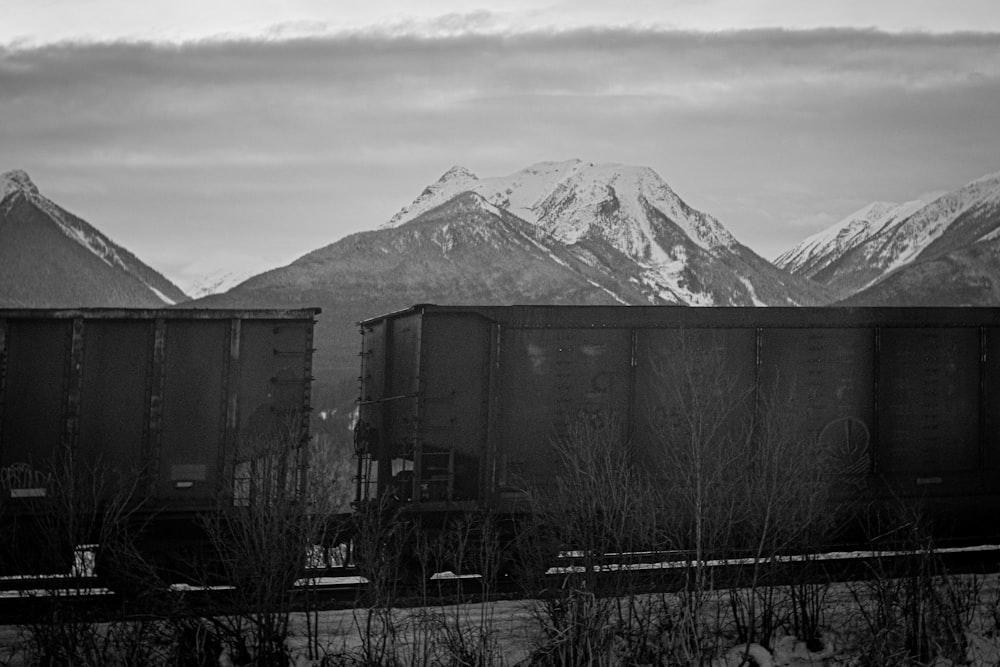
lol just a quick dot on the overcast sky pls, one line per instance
(209, 135)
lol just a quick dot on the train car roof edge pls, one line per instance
(773, 316)
(165, 313)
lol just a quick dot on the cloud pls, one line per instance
(185, 20)
(282, 145)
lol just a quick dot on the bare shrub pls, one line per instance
(699, 415)
(808, 600)
(92, 505)
(466, 638)
(576, 630)
(473, 545)
(785, 486)
(598, 507)
(382, 549)
(912, 609)
(741, 478)
(260, 535)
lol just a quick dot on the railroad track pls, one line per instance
(34, 599)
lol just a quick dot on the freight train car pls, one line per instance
(460, 406)
(149, 415)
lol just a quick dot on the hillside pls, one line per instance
(51, 258)
(910, 254)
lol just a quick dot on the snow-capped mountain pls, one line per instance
(957, 262)
(682, 255)
(555, 233)
(964, 277)
(568, 199)
(818, 251)
(219, 281)
(960, 219)
(464, 251)
(51, 258)
(878, 241)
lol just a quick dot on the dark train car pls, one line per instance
(157, 408)
(460, 406)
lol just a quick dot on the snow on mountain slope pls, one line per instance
(871, 244)
(817, 251)
(568, 198)
(23, 209)
(913, 236)
(977, 219)
(963, 277)
(453, 182)
(219, 281)
(634, 212)
(16, 181)
(990, 236)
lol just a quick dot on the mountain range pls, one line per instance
(568, 232)
(49, 258)
(942, 252)
(627, 220)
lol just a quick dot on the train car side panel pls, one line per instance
(193, 412)
(153, 393)
(388, 422)
(35, 396)
(370, 431)
(906, 400)
(688, 380)
(273, 371)
(991, 407)
(818, 383)
(273, 399)
(114, 397)
(550, 379)
(929, 406)
(402, 385)
(454, 382)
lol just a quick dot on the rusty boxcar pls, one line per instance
(153, 400)
(459, 405)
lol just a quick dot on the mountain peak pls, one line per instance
(455, 181)
(52, 258)
(876, 209)
(630, 206)
(16, 180)
(608, 214)
(459, 173)
(548, 166)
(879, 240)
(813, 254)
(993, 179)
